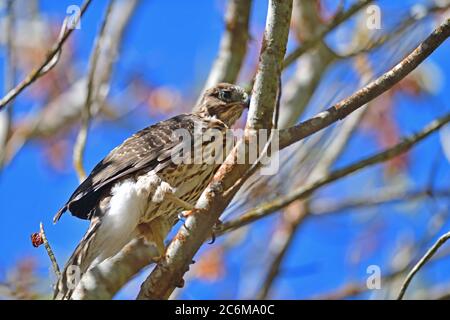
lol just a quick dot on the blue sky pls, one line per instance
(174, 45)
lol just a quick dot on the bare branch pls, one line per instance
(354, 289)
(369, 92)
(47, 64)
(383, 197)
(67, 108)
(266, 209)
(310, 69)
(338, 19)
(428, 255)
(80, 143)
(233, 45)
(402, 27)
(49, 250)
(106, 279)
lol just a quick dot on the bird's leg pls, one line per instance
(152, 233)
(184, 204)
(189, 209)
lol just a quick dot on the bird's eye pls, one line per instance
(225, 95)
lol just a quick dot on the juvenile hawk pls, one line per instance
(137, 190)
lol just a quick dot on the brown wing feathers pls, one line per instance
(140, 152)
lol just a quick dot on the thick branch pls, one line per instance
(305, 129)
(106, 279)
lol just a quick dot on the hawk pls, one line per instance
(138, 190)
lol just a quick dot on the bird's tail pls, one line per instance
(76, 266)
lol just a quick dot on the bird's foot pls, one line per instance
(216, 227)
(152, 236)
(187, 213)
(182, 216)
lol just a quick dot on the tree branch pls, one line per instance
(338, 19)
(178, 257)
(428, 255)
(402, 27)
(66, 109)
(384, 197)
(106, 279)
(354, 289)
(233, 45)
(48, 63)
(49, 250)
(268, 208)
(370, 91)
(169, 272)
(92, 92)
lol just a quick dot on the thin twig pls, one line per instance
(338, 19)
(49, 250)
(384, 197)
(91, 95)
(66, 109)
(402, 27)
(357, 288)
(428, 255)
(47, 64)
(370, 91)
(268, 208)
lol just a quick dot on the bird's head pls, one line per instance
(225, 102)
